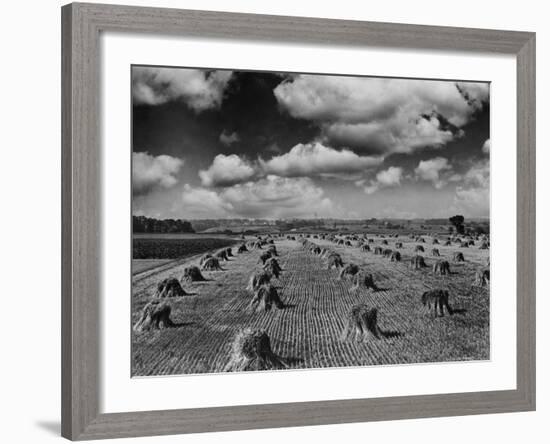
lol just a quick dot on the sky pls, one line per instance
(235, 144)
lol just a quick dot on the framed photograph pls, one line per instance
(278, 221)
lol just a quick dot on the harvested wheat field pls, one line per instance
(325, 320)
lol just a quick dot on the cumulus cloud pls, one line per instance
(150, 172)
(204, 202)
(372, 188)
(478, 175)
(473, 201)
(473, 195)
(431, 170)
(384, 115)
(303, 160)
(199, 89)
(390, 177)
(400, 134)
(269, 197)
(227, 138)
(316, 159)
(384, 179)
(227, 171)
(486, 148)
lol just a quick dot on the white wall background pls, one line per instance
(30, 186)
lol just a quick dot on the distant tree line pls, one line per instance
(205, 224)
(284, 225)
(441, 221)
(142, 224)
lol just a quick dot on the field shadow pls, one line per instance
(292, 361)
(378, 289)
(458, 311)
(454, 311)
(203, 281)
(389, 334)
(253, 309)
(219, 270)
(182, 324)
(451, 272)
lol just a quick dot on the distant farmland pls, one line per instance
(152, 250)
(307, 332)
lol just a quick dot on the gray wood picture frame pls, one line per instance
(81, 167)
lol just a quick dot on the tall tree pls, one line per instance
(458, 222)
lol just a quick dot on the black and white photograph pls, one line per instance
(275, 222)
(287, 221)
